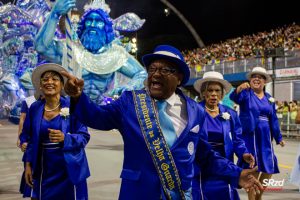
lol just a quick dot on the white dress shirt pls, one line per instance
(176, 109)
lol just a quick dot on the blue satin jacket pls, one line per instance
(139, 176)
(232, 131)
(76, 138)
(249, 114)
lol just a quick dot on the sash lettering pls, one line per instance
(157, 146)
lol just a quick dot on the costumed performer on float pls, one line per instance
(96, 56)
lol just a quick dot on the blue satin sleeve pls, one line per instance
(24, 107)
(239, 146)
(211, 163)
(25, 136)
(74, 153)
(239, 98)
(78, 136)
(105, 117)
(274, 126)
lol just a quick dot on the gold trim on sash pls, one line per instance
(156, 144)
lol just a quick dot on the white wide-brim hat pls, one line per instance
(261, 71)
(39, 70)
(212, 77)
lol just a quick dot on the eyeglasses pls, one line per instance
(163, 71)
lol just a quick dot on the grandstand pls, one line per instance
(278, 50)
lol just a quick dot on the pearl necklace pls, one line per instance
(211, 110)
(52, 108)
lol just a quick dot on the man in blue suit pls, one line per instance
(160, 127)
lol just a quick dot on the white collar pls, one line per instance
(173, 100)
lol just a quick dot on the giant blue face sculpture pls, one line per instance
(95, 30)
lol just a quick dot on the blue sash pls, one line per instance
(157, 146)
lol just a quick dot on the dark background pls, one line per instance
(214, 20)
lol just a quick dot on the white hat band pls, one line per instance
(167, 53)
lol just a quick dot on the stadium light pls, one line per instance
(186, 23)
(167, 12)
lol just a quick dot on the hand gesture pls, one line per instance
(73, 86)
(28, 175)
(62, 7)
(18, 143)
(248, 158)
(282, 143)
(243, 86)
(249, 182)
(24, 146)
(56, 135)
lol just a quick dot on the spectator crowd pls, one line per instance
(247, 46)
(287, 111)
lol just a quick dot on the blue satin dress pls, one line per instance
(24, 188)
(53, 181)
(259, 143)
(215, 187)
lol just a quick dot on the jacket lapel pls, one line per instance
(64, 125)
(253, 104)
(38, 116)
(226, 130)
(65, 120)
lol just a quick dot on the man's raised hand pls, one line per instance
(248, 181)
(73, 86)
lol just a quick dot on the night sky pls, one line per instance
(214, 20)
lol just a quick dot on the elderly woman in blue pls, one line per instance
(223, 129)
(56, 164)
(259, 122)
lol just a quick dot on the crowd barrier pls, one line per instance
(288, 126)
(290, 60)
